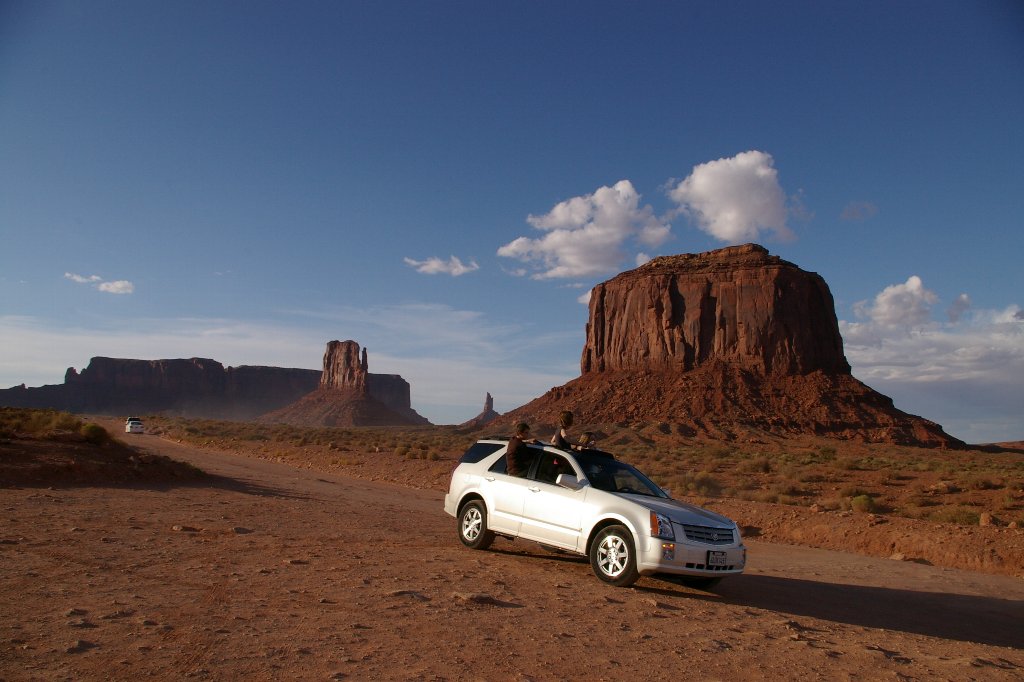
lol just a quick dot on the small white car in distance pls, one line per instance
(133, 425)
(589, 503)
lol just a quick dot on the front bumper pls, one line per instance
(685, 558)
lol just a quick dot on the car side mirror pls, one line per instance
(568, 481)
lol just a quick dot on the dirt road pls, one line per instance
(271, 572)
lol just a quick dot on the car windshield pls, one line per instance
(605, 473)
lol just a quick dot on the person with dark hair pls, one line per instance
(517, 456)
(561, 437)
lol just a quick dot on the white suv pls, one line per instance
(590, 503)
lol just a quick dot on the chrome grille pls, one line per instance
(708, 535)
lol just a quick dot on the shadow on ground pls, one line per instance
(983, 620)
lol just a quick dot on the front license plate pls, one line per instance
(717, 559)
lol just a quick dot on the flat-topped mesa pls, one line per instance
(344, 367)
(729, 344)
(739, 305)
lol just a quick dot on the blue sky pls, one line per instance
(443, 182)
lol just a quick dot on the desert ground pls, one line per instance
(271, 569)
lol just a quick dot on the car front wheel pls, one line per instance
(473, 526)
(613, 558)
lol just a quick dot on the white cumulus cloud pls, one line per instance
(121, 286)
(81, 279)
(735, 199)
(966, 373)
(900, 305)
(588, 235)
(436, 266)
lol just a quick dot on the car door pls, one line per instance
(508, 495)
(552, 514)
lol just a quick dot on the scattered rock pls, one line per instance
(410, 593)
(80, 646)
(483, 599)
(1000, 663)
(184, 529)
(120, 613)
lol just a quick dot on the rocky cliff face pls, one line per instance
(194, 387)
(348, 395)
(344, 367)
(725, 344)
(738, 305)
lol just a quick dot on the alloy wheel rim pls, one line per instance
(471, 523)
(613, 556)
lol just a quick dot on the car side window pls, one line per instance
(478, 451)
(550, 466)
(501, 466)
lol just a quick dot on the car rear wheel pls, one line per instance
(613, 558)
(473, 526)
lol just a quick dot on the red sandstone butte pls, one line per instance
(725, 344)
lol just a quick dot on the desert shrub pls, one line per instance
(718, 452)
(402, 450)
(702, 483)
(757, 465)
(94, 433)
(33, 422)
(762, 496)
(849, 463)
(812, 476)
(852, 491)
(979, 482)
(785, 489)
(863, 503)
(960, 515)
(830, 504)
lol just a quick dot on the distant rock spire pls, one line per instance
(484, 417)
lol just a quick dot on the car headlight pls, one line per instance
(661, 527)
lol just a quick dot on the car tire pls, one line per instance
(473, 526)
(699, 583)
(613, 556)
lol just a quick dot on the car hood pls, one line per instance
(681, 512)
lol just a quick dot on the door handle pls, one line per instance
(534, 490)
(489, 479)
